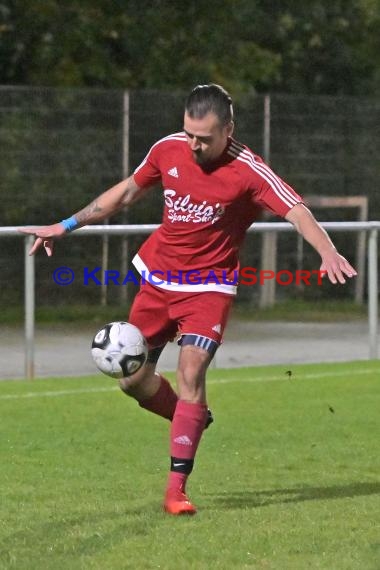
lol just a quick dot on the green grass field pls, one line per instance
(287, 478)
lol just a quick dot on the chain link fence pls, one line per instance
(59, 148)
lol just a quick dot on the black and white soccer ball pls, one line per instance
(119, 349)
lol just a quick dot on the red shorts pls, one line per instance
(161, 315)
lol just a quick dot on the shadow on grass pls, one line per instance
(250, 499)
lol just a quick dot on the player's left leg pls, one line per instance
(203, 317)
(187, 426)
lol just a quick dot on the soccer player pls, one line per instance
(214, 188)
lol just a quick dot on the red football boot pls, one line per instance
(177, 503)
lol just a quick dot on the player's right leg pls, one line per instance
(153, 391)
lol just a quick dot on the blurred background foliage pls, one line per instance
(293, 46)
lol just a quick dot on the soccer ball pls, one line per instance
(119, 349)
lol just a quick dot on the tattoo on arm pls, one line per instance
(86, 215)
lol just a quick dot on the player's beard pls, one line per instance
(199, 157)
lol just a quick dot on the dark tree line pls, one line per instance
(293, 46)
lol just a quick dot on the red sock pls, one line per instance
(163, 402)
(186, 431)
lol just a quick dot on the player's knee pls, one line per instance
(191, 373)
(129, 384)
(140, 384)
(193, 362)
(126, 386)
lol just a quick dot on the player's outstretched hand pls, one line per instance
(336, 267)
(45, 236)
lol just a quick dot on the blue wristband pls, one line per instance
(70, 224)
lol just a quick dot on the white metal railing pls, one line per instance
(372, 228)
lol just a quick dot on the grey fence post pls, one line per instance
(29, 295)
(373, 293)
(269, 239)
(126, 166)
(266, 129)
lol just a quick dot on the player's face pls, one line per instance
(206, 137)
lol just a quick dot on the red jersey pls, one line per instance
(207, 212)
